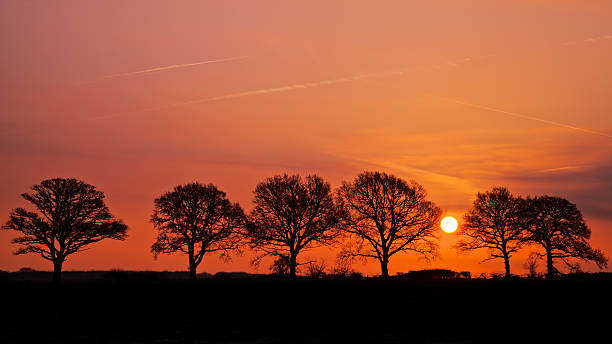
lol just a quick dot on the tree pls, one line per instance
(558, 227)
(292, 214)
(495, 222)
(196, 219)
(71, 216)
(317, 269)
(532, 265)
(280, 266)
(387, 215)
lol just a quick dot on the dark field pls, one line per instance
(141, 307)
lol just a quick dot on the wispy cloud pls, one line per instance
(459, 184)
(589, 186)
(523, 116)
(598, 38)
(589, 40)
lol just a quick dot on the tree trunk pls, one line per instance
(384, 269)
(192, 272)
(292, 265)
(507, 265)
(192, 265)
(550, 269)
(57, 270)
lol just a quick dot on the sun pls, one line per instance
(449, 224)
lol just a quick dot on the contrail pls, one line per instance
(452, 63)
(265, 91)
(564, 168)
(271, 90)
(519, 115)
(174, 66)
(374, 75)
(286, 88)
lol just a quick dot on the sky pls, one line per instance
(461, 96)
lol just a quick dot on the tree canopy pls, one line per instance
(292, 214)
(497, 222)
(387, 215)
(557, 226)
(70, 216)
(196, 219)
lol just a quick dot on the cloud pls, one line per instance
(589, 40)
(588, 186)
(598, 38)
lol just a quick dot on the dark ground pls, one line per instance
(124, 307)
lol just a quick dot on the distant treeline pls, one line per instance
(374, 216)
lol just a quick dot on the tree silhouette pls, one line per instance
(557, 225)
(291, 215)
(387, 215)
(280, 266)
(71, 215)
(495, 222)
(196, 219)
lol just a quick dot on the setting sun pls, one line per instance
(449, 224)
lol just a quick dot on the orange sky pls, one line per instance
(136, 97)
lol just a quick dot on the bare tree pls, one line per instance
(343, 267)
(558, 227)
(317, 269)
(532, 265)
(387, 215)
(292, 214)
(495, 222)
(196, 219)
(280, 266)
(71, 216)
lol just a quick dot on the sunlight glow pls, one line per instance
(449, 224)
